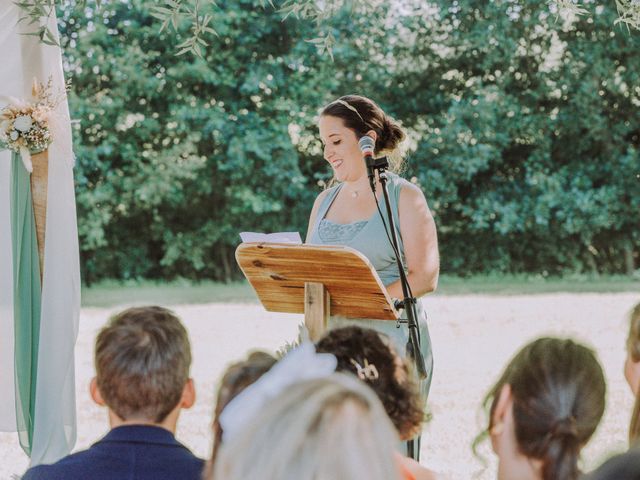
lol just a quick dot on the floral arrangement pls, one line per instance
(25, 127)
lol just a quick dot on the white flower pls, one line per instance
(23, 123)
(13, 135)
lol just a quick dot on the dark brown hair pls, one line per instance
(558, 392)
(235, 379)
(633, 350)
(142, 360)
(369, 116)
(398, 393)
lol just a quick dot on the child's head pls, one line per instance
(142, 360)
(236, 378)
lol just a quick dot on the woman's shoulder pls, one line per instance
(402, 182)
(322, 197)
(327, 193)
(405, 190)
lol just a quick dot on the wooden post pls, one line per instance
(316, 302)
(39, 189)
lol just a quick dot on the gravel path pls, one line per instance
(473, 338)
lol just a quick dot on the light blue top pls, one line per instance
(369, 238)
(366, 236)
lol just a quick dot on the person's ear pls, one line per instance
(94, 391)
(188, 394)
(499, 414)
(372, 134)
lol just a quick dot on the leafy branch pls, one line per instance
(173, 12)
(629, 13)
(569, 8)
(320, 13)
(38, 12)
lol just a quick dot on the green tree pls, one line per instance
(529, 144)
(523, 131)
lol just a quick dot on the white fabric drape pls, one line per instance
(23, 58)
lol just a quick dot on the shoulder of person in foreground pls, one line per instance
(76, 465)
(412, 469)
(106, 460)
(624, 466)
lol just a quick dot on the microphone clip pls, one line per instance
(380, 164)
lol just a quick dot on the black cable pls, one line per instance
(409, 302)
(393, 247)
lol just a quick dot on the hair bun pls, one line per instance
(391, 136)
(566, 427)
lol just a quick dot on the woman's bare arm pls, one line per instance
(420, 240)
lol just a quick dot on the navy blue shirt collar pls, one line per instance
(142, 434)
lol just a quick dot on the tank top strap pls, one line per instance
(394, 186)
(326, 203)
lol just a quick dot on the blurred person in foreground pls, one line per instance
(625, 466)
(544, 409)
(632, 372)
(299, 419)
(327, 428)
(142, 361)
(371, 357)
(235, 379)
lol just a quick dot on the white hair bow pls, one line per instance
(302, 363)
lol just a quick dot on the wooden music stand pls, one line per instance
(317, 280)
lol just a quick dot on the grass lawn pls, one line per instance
(111, 293)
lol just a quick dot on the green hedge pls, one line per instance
(524, 130)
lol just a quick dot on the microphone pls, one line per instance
(367, 145)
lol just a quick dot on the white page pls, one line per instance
(277, 237)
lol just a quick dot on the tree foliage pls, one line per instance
(523, 132)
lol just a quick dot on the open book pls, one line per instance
(277, 237)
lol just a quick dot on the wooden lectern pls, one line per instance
(317, 280)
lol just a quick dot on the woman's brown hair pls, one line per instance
(362, 114)
(358, 347)
(558, 392)
(235, 379)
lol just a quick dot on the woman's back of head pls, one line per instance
(557, 392)
(321, 429)
(371, 356)
(236, 378)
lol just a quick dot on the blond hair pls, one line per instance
(323, 429)
(633, 350)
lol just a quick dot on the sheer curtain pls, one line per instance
(23, 59)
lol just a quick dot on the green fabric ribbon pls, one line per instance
(26, 300)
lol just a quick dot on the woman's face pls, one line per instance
(341, 149)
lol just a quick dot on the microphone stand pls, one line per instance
(409, 302)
